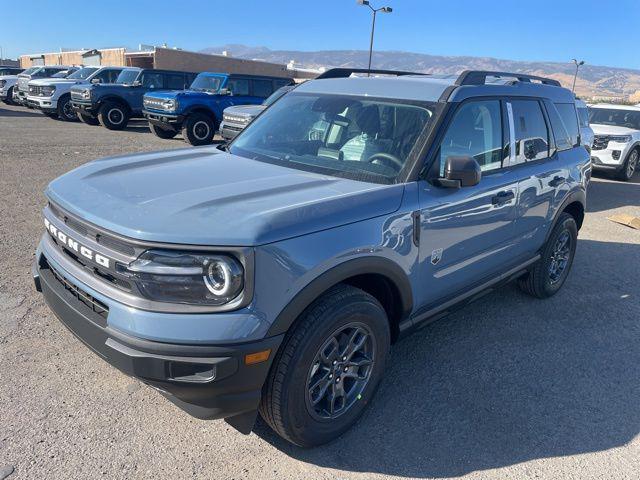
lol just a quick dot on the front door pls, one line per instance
(467, 234)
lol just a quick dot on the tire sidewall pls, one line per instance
(61, 113)
(307, 429)
(189, 129)
(625, 175)
(106, 113)
(566, 223)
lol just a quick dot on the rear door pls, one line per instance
(467, 234)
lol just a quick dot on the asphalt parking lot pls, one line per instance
(509, 387)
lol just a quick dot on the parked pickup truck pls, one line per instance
(53, 95)
(274, 275)
(8, 79)
(198, 110)
(113, 104)
(21, 90)
(235, 118)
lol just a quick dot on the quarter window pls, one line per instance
(475, 131)
(531, 132)
(262, 88)
(239, 86)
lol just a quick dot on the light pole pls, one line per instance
(578, 65)
(373, 25)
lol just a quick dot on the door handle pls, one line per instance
(557, 180)
(502, 197)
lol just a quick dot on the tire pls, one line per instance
(287, 404)
(198, 129)
(89, 120)
(65, 111)
(50, 115)
(113, 115)
(548, 274)
(161, 132)
(9, 98)
(630, 166)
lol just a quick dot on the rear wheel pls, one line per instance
(65, 110)
(548, 275)
(328, 367)
(89, 120)
(630, 166)
(162, 132)
(198, 129)
(113, 115)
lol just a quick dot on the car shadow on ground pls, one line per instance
(19, 112)
(607, 195)
(495, 384)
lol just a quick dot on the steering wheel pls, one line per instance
(387, 159)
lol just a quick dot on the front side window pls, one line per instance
(569, 118)
(127, 77)
(354, 137)
(238, 86)
(475, 131)
(531, 133)
(615, 117)
(107, 76)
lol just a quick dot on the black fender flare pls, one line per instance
(579, 196)
(351, 268)
(201, 107)
(112, 98)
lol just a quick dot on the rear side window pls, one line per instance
(531, 132)
(282, 83)
(176, 81)
(238, 86)
(569, 117)
(152, 80)
(262, 88)
(475, 131)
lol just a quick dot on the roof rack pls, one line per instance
(479, 77)
(346, 72)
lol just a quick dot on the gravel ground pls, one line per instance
(508, 388)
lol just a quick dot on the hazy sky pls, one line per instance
(602, 33)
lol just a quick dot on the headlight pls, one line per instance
(620, 138)
(48, 91)
(186, 277)
(169, 104)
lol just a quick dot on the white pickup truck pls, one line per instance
(53, 95)
(8, 79)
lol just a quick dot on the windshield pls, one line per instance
(276, 95)
(206, 83)
(83, 73)
(62, 74)
(345, 136)
(615, 117)
(29, 71)
(127, 77)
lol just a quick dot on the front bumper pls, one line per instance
(165, 120)
(230, 131)
(611, 158)
(86, 108)
(46, 104)
(206, 381)
(19, 96)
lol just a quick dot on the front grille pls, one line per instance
(35, 90)
(93, 303)
(23, 84)
(600, 142)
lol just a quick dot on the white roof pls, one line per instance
(635, 108)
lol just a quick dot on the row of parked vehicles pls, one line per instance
(200, 105)
(172, 101)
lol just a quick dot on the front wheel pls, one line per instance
(629, 167)
(198, 129)
(113, 115)
(549, 273)
(328, 368)
(161, 132)
(65, 110)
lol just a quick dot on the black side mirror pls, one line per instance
(460, 172)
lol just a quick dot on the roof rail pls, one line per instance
(479, 77)
(346, 72)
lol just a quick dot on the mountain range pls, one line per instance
(592, 80)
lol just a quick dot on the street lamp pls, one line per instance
(578, 65)
(373, 24)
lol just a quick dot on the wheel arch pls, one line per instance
(115, 99)
(574, 205)
(204, 110)
(378, 276)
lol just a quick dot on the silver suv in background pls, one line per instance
(586, 132)
(616, 146)
(53, 95)
(21, 89)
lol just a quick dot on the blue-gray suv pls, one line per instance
(272, 275)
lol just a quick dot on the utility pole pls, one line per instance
(575, 76)
(373, 25)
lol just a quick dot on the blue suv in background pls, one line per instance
(113, 104)
(273, 274)
(197, 112)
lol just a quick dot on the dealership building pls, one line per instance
(166, 58)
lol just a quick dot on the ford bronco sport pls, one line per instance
(113, 104)
(273, 274)
(197, 112)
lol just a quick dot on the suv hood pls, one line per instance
(8, 77)
(201, 196)
(244, 110)
(600, 129)
(45, 82)
(173, 94)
